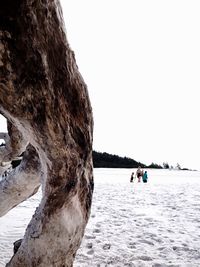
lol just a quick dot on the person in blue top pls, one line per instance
(145, 177)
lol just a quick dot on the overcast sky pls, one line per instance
(141, 62)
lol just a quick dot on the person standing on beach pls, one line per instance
(145, 177)
(132, 177)
(139, 174)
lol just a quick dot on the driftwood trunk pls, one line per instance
(44, 97)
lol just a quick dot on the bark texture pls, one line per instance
(45, 99)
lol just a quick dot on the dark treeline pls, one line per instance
(105, 160)
(155, 166)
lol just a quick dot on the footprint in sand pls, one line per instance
(158, 240)
(89, 245)
(159, 265)
(90, 252)
(90, 237)
(106, 246)
(118, 224)
(123, 209)
(146, 242)
(149, 219)
(132, 245)
(97, 231)
(145, 258)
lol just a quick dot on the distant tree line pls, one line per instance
(154, 166)
(106, 160)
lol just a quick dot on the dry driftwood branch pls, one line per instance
(44, 96)
(21, 183)
(15, 145)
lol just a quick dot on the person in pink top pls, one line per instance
(139, 174)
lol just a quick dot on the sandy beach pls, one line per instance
(131, 224)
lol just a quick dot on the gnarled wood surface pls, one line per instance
(45, 98)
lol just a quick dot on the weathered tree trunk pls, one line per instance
(45, 98)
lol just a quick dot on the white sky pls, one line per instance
(141, 62)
